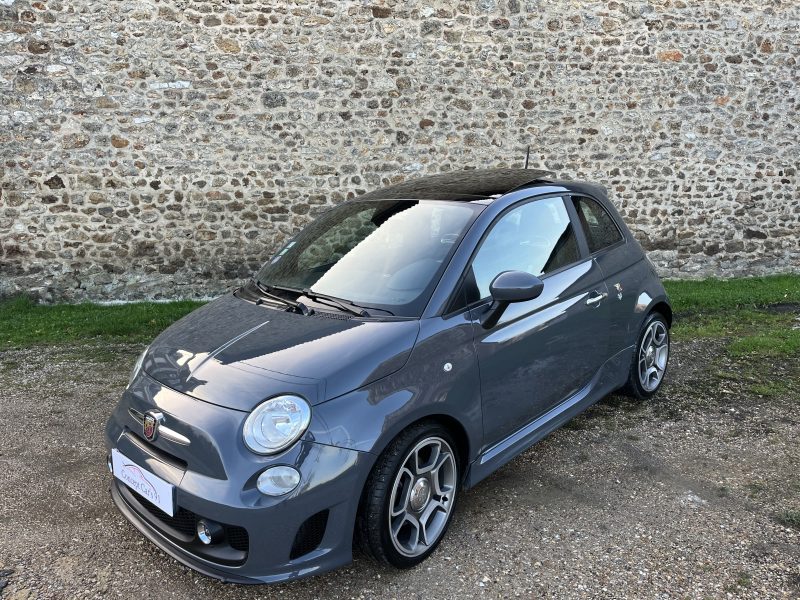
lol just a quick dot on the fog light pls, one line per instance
(278, 481)
(209, 532)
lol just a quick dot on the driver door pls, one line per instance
(544, 350)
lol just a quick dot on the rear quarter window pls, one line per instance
(600, 229)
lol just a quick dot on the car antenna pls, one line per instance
(527, 155)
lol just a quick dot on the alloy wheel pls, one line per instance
(653, 355)
(422, 497)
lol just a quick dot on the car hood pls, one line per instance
(235, 354)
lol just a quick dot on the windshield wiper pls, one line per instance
(339, 303)
(364, 309)
(298, 307)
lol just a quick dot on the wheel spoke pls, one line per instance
(399, 508)
(661, 358)
(648, 338)
(660, 335)
(430, 462)
(428, 515)
(400, 530)
(423, 531)
(438, 488)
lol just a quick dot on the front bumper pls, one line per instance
(305, 532)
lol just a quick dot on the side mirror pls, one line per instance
(508, 287)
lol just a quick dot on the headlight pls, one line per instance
(276, 424)
(138, 366)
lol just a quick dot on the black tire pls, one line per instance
(634, 386)
(372, 524)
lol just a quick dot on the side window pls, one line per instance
(598, 226)
(536, 237)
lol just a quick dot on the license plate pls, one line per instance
(143, 482)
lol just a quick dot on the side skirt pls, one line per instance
(608, 378)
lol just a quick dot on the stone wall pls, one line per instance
(164, 148)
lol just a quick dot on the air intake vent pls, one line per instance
(310, 534)
(328, 315)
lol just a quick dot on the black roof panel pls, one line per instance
(459, 185)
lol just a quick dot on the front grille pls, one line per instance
(185, 522)
(310, 534)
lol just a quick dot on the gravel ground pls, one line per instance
(676, 497)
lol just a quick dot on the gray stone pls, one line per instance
(273, 99)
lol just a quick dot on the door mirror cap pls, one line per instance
(508, 287)
(515, 286)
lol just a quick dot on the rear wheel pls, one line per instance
(409, 497)
(650, 358)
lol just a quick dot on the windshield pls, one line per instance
(386, 254)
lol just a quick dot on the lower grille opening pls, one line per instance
(237, 537)
(182, 530)
(310, 534)
(185, 521)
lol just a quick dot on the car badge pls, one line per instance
(150, 422)
(618, 287)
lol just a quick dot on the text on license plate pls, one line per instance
(143, 482)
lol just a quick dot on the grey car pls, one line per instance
(399, 349)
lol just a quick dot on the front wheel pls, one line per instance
(651, 354)
(409, 497)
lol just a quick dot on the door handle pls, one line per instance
(595, 300)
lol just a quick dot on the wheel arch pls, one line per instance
(450, 423)
(665, 309)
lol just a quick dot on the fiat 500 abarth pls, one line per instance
(399, 349)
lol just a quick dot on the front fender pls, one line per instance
(369, 418)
